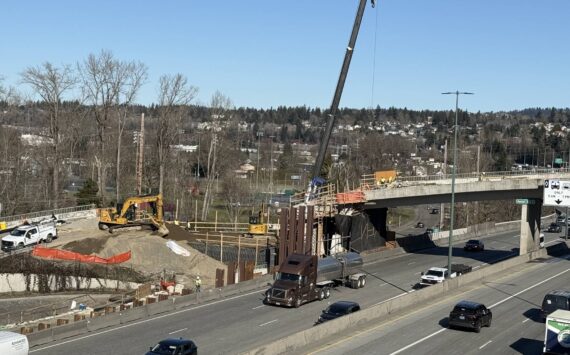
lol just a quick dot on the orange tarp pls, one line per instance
(69, 255)
(350, 197)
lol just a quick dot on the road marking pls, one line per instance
(179, 330)
(484, 345)
(145, 321)
(389, 299)
(412, 290)
(266, 323)
(476, 267)
(526, 320)
(258, 306)
(552, 241)
(494, 305)
(382, 284)
(417, 273)
(411, 263)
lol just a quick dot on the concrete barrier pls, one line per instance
(69, 330)
(132, 314)
(295, 342)
(373, 257)
(101, 322)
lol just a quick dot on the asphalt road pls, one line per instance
(516, 327)
(242, 322)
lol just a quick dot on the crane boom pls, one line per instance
(337, 94)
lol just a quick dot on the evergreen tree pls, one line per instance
(88, 194)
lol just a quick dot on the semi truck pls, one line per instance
(30, 234)
(13, 343)
(557, 333)
(436, 275)
(305, 278)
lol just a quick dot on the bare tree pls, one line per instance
(174, 96)
(109, 86)
(218, 107)
(51, 83)
(237, 195)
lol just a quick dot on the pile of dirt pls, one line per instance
(87, 246)
(151, 256)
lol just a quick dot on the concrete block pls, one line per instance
(43, 326)
(69, 330)
(103, 322)
(133, 314)
(40, 338)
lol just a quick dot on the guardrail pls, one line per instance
(46, 213)
(215, 226)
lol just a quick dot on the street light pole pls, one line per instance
(453, 172)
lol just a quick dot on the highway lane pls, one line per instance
(516, 328)
(242, 322)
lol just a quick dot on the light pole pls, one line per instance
(271, 164)
(452, 212)
(259, 135)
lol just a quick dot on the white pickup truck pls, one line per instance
(29, 234)
(436, 275)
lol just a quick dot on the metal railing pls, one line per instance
(215, 226)
(46, 213)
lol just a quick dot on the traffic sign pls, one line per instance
(524, 201)
(556, 193)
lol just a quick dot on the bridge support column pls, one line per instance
(530, 227)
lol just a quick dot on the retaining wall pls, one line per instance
(17, 283)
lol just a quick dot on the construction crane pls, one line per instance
(317, 180)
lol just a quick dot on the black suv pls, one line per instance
(338, 309)
(174, 346)
(474, 244)
(554, 300)
(554, 228)
(467, 314)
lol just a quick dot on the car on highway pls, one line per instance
(557, 299)
(468, 314)
(420, 225)
(174, 346)
(434, 211)
(338, 309)
(561, 219)
(554, 228)
(474, 244)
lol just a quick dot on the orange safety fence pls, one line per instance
(72, 256)
(350, 197)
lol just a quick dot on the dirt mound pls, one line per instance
(87, 246)
(151, 256)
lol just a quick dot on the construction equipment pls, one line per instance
(132, 214)
(257, 223)
(317, 180)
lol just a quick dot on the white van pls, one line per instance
(13, 343)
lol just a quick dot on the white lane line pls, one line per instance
(476, 267)
(552, 241)
(258, 306)
(484, 345)
(417, 273)
(266, 323)
(382, 284)
(411, 263)
(179, 330)
(389, 299)
(496, 304)
(418, 341)
(146, 320)
(526, 320)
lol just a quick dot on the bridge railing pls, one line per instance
(368, 182)
(47, 213)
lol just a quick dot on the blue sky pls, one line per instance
(513, 54)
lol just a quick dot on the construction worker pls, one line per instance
(198, 283)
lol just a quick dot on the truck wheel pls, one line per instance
(20, 246)
(49, 238)
(354, 283)
(327, 292)
(321, 294)
(297, 302)
(361, 282)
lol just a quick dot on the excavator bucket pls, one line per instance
(162, 231)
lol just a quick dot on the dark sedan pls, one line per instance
(174, 347)
(473, 245)
(420, 225)
(554, 228)
(467, 314)
(338, 309)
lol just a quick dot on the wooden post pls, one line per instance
(176, 213)
(221, 247)
(256, 251)
(206, 243)
(196, 216)
(238, 258)
(216, 222)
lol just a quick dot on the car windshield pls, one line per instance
(283, 276)
(18, 233)
(434, 273)
(336, 309)
(164, 349)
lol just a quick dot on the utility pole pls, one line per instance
(271, 164)
(478, 157)
(140, 160)
(259, 135)
(452, 212)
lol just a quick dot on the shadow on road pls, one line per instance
(527, 346)
(534, 315)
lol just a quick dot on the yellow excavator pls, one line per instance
(133, 214)
(257, 224)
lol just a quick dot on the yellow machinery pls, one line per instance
(130, 214)
(257, 224)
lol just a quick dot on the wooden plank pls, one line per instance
(309, 237)
(283, 220)
(292, 231)
(300, 235)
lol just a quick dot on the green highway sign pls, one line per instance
(524, 201)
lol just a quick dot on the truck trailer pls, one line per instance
(305, 278)
(13, 343)
(557, 333)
